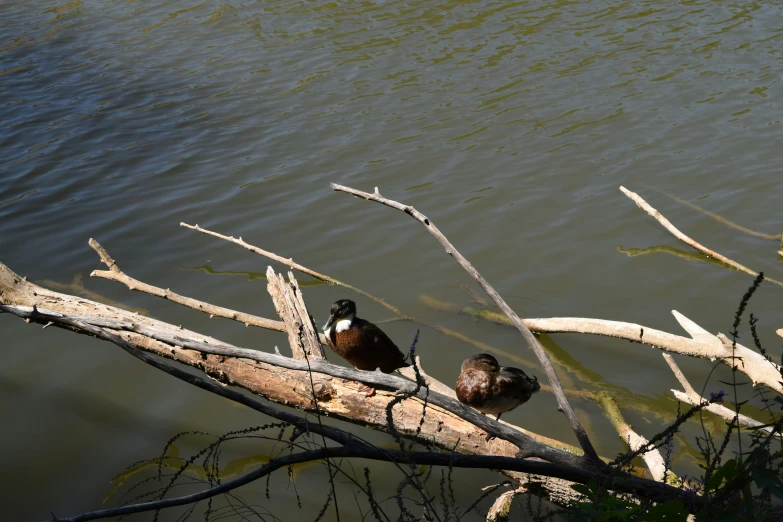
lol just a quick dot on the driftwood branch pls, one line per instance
(353, 446)
(116, 274)
(641, 203)
(562, 400)
(280, 384)
(526, 444)
(701, 343)
(286, 381)
(691, 396)
(296, 266)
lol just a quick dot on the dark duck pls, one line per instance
(360, 342)
(493, 389)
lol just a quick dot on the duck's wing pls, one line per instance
(513, 381)
(383, 349)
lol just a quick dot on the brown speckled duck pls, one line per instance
(493, 389)
(360, 342)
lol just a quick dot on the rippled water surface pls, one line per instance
(510, 124)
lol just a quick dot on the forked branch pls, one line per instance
(116, 274)
(692, 397)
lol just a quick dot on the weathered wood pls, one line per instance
(336, 396)
(116, 274)
(288, 302)
(652, 458)
(691, 396)
(310, 336)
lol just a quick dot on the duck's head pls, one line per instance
(483, 362)
(342, 309)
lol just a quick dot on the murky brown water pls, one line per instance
(510, 124)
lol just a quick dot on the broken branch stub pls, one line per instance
(290, 306)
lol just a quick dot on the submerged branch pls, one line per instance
(641, 203)
(652, 457)
(719, 218)
(289, 262)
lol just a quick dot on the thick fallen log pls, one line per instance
(277, 381)
(337, 397)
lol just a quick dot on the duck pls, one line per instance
(493, 389)
(360, 342)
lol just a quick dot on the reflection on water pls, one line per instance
(251, 276)
(510, 124)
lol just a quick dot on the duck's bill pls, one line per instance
(329, 323)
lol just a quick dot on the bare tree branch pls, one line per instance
(691, 396)
(701, 343)
(557, 388)
(636, 198)
(115, 274)
(296, 266)
(528, 446)
(80, 325)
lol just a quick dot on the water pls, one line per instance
(510, 124)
